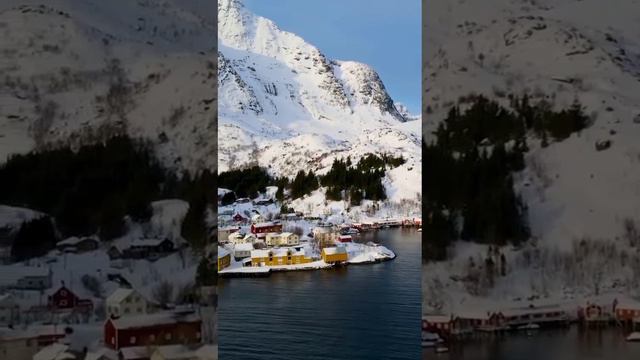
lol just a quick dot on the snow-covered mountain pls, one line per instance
(560, 51)
(286, 106)
(75, 71)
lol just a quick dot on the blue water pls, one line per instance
(358, 312)
(566, 344)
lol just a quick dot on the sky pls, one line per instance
(384, 34)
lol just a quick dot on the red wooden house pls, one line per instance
(152, 329)
(344, 238)
(626, 310)
(65, 299)
(239, 218)
(265, 228)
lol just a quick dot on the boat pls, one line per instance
(420, 229)
(427, 343)
(634, 336)
(442, 349)
(529, 326)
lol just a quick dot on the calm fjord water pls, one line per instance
(358, 312)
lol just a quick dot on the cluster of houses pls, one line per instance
(135, 329)
(149, 249)
(626, 313)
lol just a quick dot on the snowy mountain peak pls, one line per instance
(285, 105)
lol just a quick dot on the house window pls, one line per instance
(63, 292)
(132, 340)
(167, 336)
(126, 310)
(113, 340)
(63, 302)
(152, 337)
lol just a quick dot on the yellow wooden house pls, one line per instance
(332, 255)
(224, 258)
(279, 256)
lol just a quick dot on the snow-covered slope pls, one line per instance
(286, 106)
(560, 51)
(76, 71)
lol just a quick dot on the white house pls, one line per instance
(257, 218)
(282, 239)
(126, 302)
(241, 251)
(9, 310)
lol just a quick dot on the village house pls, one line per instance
(594, 313)
(183, 352)
(261, 229)
(239, 218)
(446, 325)
(224, 232)
(333, 255)
(282, 239)
(257, 219)
(9, 310)
(344, 238)
(126, 302)
(626, 310)
(25, 343)
(65, 300)
(78, 245)
(483, 320)
(58, 351)
(25, 277)
(280, 256)
(144, 248)
(535, 315)
(164, 328)
(240, 238)
(241, 251)
(224, 258)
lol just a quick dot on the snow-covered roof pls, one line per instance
(149, 320)
(260, 253)
(135, 352)
(437, 318)
(334, 250)
(243, 247)
(119, 295)
(10, 274)
(54, 351)
(627, 303)
(30, 332)
(222, 252)
(265, 224)
(147, 242)
(75, 241)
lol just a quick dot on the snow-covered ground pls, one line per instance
(57, 69)
(287, 107)
(575, 194)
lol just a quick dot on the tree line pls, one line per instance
(92, 190)
(470, 167)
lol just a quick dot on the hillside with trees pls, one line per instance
(469, 192)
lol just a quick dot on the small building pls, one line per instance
(224, 232)
(483, 320)
(547, 314)
(327, 239)
(241, 251)
(345, 238)
(78, 245)
(240, 238)
(65, 300)
(282, 239)
(333, 255)
(164, 328)
(437, 323)
(184, 352)
(224, 258)
(626, 310)
(25, 343)
(277, 257)
(25, 277)
(58, 351)
(9, 310)
(145, 248)
(239, 218)
(261, 229)
(257, 219)
(126, 302)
